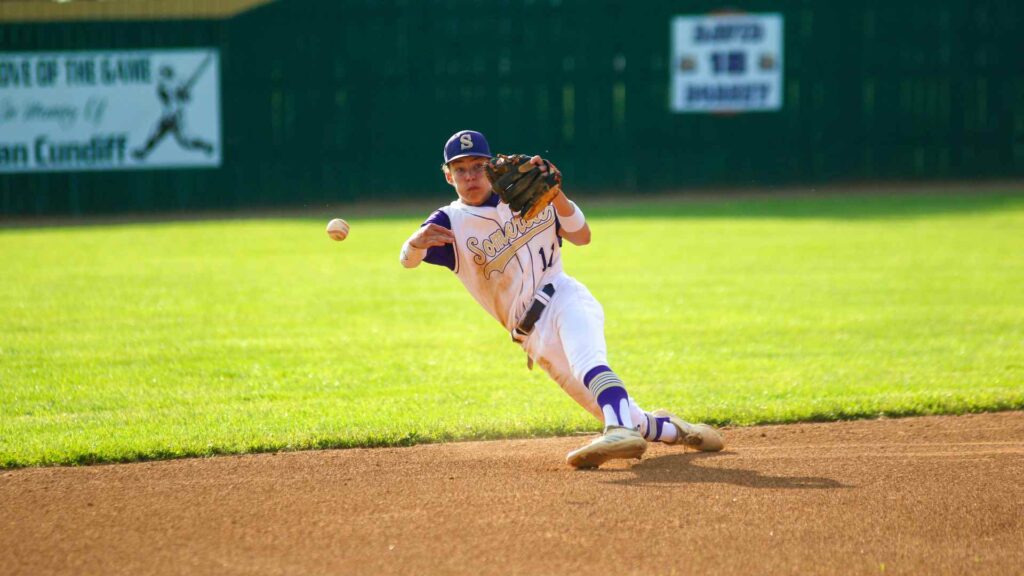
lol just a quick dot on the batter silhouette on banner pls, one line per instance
(174, 97)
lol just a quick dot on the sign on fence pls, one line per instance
(726, 63)
(69, 111)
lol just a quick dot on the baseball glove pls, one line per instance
(522, 185)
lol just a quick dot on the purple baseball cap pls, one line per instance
(466, 143)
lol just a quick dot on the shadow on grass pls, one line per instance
(685, 469)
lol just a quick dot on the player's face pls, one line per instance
(468, 177)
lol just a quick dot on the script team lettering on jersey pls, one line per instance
(502, 259)
(495, 251)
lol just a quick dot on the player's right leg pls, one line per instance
(190, 143)
(574, 331)
(615, 442)
(579, 324)
(159, 132)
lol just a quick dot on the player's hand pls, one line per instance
(431, 235)
(545, 165)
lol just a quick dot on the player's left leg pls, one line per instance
(651, 427)
(578, 320)
(664, 426)
(556, 365)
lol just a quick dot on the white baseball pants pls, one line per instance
(568, 340)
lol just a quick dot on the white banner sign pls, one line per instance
(69, 111)
(726, 63)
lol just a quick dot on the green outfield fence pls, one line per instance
(328, 101)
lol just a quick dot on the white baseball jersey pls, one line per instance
(503, 262)
(502, 259)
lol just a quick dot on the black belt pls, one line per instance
(540, 301)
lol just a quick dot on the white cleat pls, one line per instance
(697, 436)
(616, 442)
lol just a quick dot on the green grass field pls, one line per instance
(134, 341)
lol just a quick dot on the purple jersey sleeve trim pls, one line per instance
(440, 255)
(439, 217)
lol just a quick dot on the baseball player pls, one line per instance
(174, 96)
(511, 264)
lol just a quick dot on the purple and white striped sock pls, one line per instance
(611, 396)
(653, 428)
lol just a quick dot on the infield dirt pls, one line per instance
(935, 495)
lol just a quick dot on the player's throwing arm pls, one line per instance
(428, 236)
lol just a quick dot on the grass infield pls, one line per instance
(162, 340)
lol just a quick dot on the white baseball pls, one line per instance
(337, 229)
